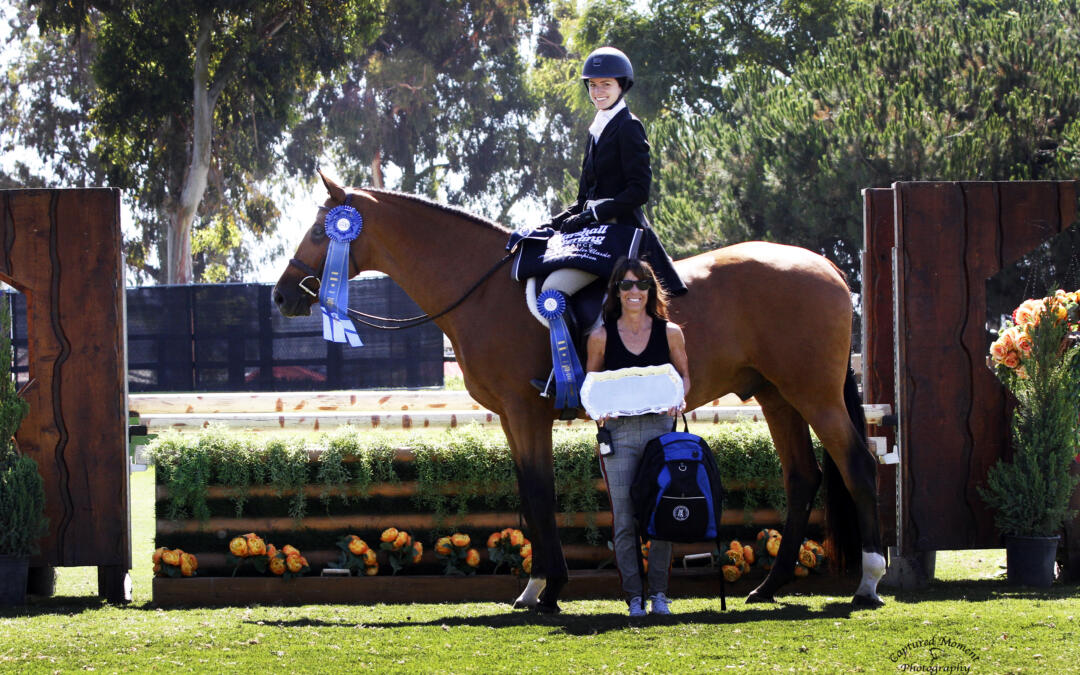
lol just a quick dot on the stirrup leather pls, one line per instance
(564, 359)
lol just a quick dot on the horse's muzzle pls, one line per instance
(290, 302)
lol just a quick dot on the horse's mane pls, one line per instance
(446, 208)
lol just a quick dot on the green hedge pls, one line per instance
(475, 459)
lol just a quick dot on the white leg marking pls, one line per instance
(530, 596)
(873, 568)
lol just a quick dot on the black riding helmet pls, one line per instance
(608, 62)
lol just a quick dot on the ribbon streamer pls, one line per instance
(343, 224)
(568, 371)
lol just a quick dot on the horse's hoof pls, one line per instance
(520, 604)
(545, 608)
(756, 597)
(867, 602)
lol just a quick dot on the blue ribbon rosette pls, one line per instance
(343, 224)
(568, 372)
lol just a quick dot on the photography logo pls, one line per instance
(937, 654)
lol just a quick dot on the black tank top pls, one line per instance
(656, 352)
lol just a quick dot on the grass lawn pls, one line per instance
(967, 621)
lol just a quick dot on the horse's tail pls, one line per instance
(842, 539)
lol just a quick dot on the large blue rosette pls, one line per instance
(343, 224)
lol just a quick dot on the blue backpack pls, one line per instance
(677, 494)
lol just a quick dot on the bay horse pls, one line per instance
(760, 319)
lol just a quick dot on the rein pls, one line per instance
(411, 322)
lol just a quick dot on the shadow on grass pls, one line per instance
(57, 604)
(982, 590)
(593, 624)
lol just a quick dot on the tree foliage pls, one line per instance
(440, 104)
(193, 101)
(908, 90)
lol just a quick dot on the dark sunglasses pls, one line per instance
(642, 284)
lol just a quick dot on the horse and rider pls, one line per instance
(756, 319)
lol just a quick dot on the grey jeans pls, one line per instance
(629, 436)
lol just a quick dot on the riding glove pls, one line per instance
(577, 222)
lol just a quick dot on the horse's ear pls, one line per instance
(337, 193)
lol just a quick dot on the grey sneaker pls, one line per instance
(636, 608)
(660, 604)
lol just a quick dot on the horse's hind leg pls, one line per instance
(791, 437)
(530, 443)
(835, 426)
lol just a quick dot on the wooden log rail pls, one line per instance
(389, 409)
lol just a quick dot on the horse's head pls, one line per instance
(298, 287)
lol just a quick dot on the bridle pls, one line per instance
(398, 324)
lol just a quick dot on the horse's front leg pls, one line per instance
(802, 477)
(529, 437)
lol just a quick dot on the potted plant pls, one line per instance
(22, 491)
(1037, 356)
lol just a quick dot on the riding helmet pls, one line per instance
(608, 62)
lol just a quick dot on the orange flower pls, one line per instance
(731, 573)
(494, 539)
(526, 565)
(238, 547)
(271, 551)
(277, 565)
(157, 554)
(188, 565)
(289, 550)
(516, 538)
(807, 558)
(295, 563)
(442, 546)
(370, 558)
(748, 554)
(389, 535)
(371, 570)
(460, 540)
(357, 546)
(157, 568)
(256, 546)
(171, 557)
(772, 546)
(402, 540)
(506, 532)
(472, 558)
(735, 546)
(735, 557)
(801, 571)
(418, 549)
(525, 551)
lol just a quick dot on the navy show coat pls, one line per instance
(617, 167)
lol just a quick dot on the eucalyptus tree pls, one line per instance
(195, 99)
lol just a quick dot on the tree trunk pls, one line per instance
(179, 270)
(376, 170)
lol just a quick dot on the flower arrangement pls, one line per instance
(455, 554)
(510, 547)
(288, 562)
(1037, 357)
(740, 558)
(400, 548)
(174, 563)
(356, 556)
(248, 549)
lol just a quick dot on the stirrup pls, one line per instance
(568, 373)
(544, 386)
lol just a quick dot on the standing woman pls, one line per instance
(635, 332)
